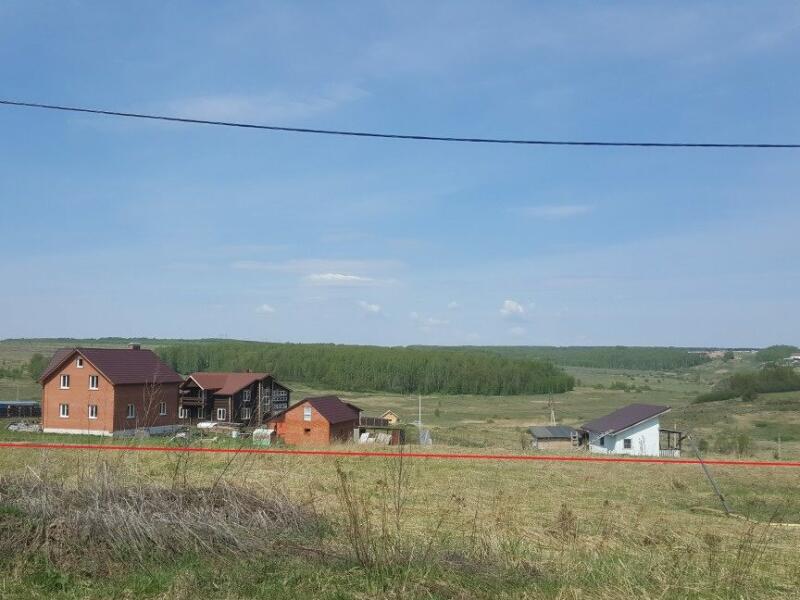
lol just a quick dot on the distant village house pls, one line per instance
(391, 417)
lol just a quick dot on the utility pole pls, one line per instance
(419, 409)
(710, 478)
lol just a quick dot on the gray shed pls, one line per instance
(553, 437)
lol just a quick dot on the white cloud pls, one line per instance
(337, 279)
(270, 108)
(453, 305)
(325, 271)
(434, 322)
(315, 265)
(556, 211)
(517, 331)
(370, 308)
(511, 309)
(428, 322)
(265, 309)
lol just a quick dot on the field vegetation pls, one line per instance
(642, 358)
(92, 524)
(748, 384)
(360, 368)
(99, 524)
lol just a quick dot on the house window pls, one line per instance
(94, 382)
(201, 412)
(65, 382)
(603, 441)
(306, 413)
(162, 409)
(246, 413)
(131, 411)
(93, 411)
(79, 363)
(63, 410)
(221, 414)
(246, 396)
(626, 443)
(306, 431)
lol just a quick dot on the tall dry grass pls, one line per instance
(106, 519)
(380, 519)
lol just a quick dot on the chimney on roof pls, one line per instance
(134, 347)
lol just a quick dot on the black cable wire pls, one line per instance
(396, 136)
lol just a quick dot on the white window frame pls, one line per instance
(162, 409)
(96, 379)
(64, 381)
(79, 362)
(246, 412)
(131, 414)
(222, 414)
(93, 411)
(182, 412)
(306, 413)
(245, 395)
(63, 411)
(201, 412)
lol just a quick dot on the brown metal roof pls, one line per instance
(332, 408)
(625, 417)
(59, 357)
(119, 365)
(226, 384)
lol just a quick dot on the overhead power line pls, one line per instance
(395, 136)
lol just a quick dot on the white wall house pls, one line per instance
(634, 430)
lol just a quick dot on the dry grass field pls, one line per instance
(137, 524)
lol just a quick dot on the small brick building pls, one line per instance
(107, 391)
(316, 421)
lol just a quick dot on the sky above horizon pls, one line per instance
(113, 227)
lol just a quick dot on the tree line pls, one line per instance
(775, 353)
(642, 358)
(31, 369)
(747, 385)
(365, 368)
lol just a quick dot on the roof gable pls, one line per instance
(119, 365)
(625, 417)
(332, 408)
(226, 383)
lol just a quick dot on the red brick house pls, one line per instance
(317, 421)
(231, 397)
(109, 391)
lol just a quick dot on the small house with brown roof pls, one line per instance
(109, 391)
(246, 398)
(317, 421)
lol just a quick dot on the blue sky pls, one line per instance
(116, 227)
